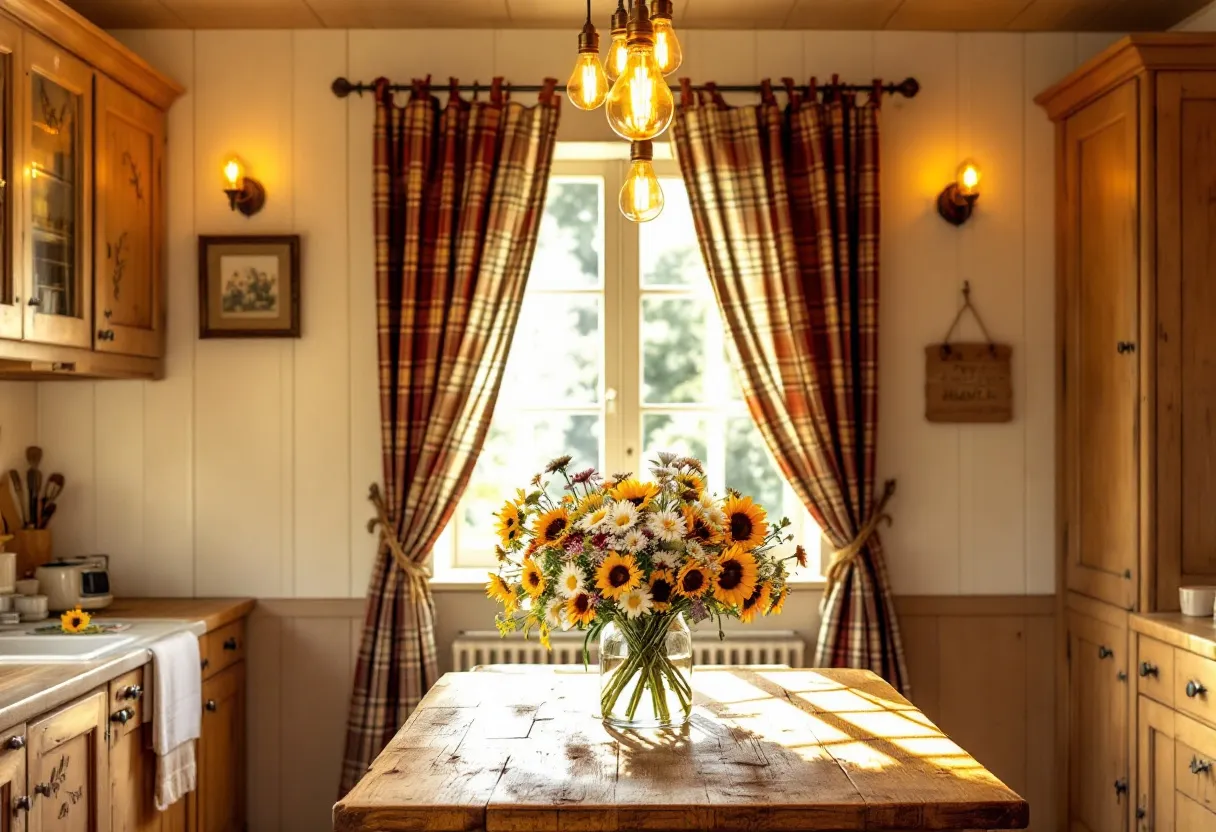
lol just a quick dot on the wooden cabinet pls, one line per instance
(12, 90)
(68, 768)
(1097, 682)
(14, 796)
(128, 251)
(1155, 767)
(220, 800)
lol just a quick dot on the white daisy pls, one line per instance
(624, 516)
(694, 550)
(569, 581)
(634, 541)
(707, 501)
(667, 525)
(594, 519)
(666, 559)
(715, 516)
(553, 615)
(636, 603)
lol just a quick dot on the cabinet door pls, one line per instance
(1186, 342)
(69, 768)
(14, 799)
(11, 92)
(1097, 724)
(127, 251)
(57, 204)
(1100, 247)
(1155, 768)
(221, 753)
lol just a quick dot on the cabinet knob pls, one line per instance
(211, 705)
(205, 663)
(105, 335)
(1199, 766)
(1121, 676)
(43, 789)
(1194, 688)
(1120, 787)
(122, 717)
(15, 742)
(33, 302)
(21, 804)
(131, 692)
(230, 644)
(1147, 669)
(1141, 812)
(1125, 347)
(1105, 652)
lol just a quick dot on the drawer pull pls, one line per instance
(230, 644)
(1121, 676)
(21, 804)
(131, 692)
(43, 789)
(1141, 813)
(1199, 766)
(1194, 689)
(1147, 670)
(123, 717)
(1120, 787)
(211, 706)
(205, 663)
(15, 742)
(1105, 652)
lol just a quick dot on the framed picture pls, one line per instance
(249, 287)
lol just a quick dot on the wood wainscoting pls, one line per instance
(981, 667)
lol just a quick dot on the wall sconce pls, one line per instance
(956, 202)
(245, 194)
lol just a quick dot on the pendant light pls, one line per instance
(640, 104)
(588, 86)
(614, 64)
(667, 50)
(641, 198)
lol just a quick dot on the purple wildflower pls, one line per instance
(583, 477)
(574, 544)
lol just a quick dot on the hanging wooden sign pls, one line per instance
(968, 383)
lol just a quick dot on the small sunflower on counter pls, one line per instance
(75, 621)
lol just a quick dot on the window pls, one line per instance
(619, 353)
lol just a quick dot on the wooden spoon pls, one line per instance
(18, 490)
(33, 480)
(48, 511)
(54, 487)
(33, 455)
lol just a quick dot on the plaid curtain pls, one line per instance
(785, 202)
(459, 193)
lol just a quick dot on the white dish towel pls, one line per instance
(177, 712)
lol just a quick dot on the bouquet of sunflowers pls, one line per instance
(628, 558)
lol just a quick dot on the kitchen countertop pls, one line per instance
(1196, 634)
(27, 690)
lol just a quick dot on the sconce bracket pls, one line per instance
(953, 208)
(249, 198)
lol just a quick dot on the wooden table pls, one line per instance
(767, 749)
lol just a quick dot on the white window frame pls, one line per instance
(621, 377)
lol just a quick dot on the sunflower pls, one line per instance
(580, 609)
(736, 576)
(690, 486)
(699, 528)
(501, 591)
(744, 522)
(693, 580)
(533, 578)
(617, 575)
(510, 523)
(800, 555)
(591, 502)
(756, 604)
(662, 585)
(75, 621)
(779, 601)
(637, 492)
(552, 525)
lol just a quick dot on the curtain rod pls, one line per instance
(342, 87)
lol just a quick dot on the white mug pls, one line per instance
(1197, 601)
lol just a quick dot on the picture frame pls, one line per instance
(249, 286)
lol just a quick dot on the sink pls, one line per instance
(29, 648)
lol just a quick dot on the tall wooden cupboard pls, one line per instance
(1136, 422)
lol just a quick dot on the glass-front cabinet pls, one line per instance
(11, 288)
(130, 146)
(57, 195)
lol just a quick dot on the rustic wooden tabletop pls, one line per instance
(767, 749)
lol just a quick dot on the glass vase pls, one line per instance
(646, 672)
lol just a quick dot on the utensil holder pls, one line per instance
(8, 573)
(33, 548)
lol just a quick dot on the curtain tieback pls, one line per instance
(844, 557)
(418, 574)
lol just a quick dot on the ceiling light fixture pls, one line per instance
(667, 50)
(640, 104)
(641, 198)
(588, 85)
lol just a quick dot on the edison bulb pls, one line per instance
(667, 50)
(234, 172)
(640, 104)
(588, 86)
(968, 179)
(641, 197)
(618, 54)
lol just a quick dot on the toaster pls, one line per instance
(76, 582)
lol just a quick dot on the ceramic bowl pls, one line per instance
(27, 586)
(1197, 600)
(32, 607)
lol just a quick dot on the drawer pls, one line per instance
(1155, 670)
(1195, 686)
(1189, 816)
(126, 707)
(223, 647)
(1195, 761)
